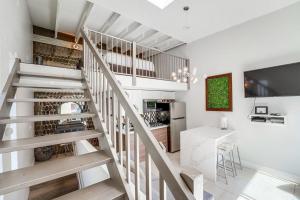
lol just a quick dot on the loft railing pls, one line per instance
(117, 112)
(128, 58)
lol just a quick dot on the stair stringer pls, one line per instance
(115, 170)
(8, 92)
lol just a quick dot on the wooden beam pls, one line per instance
(56, 42)
(109, 22)
(86, 12)
(131, 28)
(51, 33)
(58, 7)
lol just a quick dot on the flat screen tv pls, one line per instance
(283, 80)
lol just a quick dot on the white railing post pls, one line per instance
(189, 71)
(127, 139)
(194, 181)
(162, 188)
(133, 64)
(113, 122)
(120, 133)
(148, 176)
(137, 164)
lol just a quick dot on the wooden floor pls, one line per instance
(53, 189)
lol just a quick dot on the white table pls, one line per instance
(198, 148)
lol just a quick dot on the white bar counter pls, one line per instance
(198, 148)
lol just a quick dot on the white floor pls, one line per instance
(248, 185)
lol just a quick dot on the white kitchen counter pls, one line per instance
(198, 148)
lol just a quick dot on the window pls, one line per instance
(162, 4)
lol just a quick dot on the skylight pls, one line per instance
(162, 4)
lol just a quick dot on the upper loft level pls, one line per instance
(135, 53)
(140, 66)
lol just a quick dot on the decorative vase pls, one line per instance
(224, 123)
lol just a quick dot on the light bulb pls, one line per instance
(179, 71)
(185, 69)
(174, 78)
(173, 74)
(75, 46)
(195, 80)
(178, 81)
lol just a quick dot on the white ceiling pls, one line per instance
(204, 18)
(66, 18)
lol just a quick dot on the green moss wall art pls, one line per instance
(219, 92)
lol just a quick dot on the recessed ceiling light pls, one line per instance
(161, 3)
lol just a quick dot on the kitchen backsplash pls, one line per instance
(152, 117)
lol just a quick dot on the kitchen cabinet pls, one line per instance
(161, 135)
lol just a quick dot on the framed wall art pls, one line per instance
(219, 92)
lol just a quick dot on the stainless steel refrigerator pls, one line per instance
(177, 124)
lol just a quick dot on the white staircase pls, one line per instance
(25, 177)
(106, 100)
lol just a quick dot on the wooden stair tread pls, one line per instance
(21, 178)
(24, 73)
(105, 190)
(37, 118)
(41, 141)
(48, 100)
(34, 85)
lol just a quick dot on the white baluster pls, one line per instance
(148, 176)
(127, 149)
(162, 188)
(137, 164)
(108, 109)
(120, 134)
(114, 112)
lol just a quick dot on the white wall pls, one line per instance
(15, 35)
(149, 89)
(267, 41)
(15, 42)
(151, 84)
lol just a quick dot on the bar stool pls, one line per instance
(235, 149)
(225, 150)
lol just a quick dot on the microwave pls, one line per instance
(149, 105)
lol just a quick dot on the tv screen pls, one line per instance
(283, 80)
